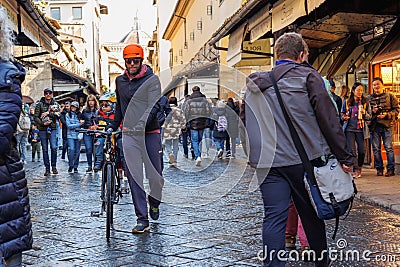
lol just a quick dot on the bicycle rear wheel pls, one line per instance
(108, 198)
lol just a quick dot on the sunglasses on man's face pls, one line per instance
(48, 93)
(132, 60)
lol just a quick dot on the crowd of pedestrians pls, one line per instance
(153, 125)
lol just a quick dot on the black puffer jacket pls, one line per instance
(197, 110)
(15, 219)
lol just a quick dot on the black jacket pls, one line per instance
(42, 107)
(197, 110)
(137, 101)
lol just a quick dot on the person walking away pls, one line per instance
(104, 117)
(219, 126)
(47, 113)
(88, 120)
(162, 113)
(233, 128)
(384, 113)
(64, 128)
(138, 92)
(174, 123)
(23, 127)
(185, 131)
(355, 112)
(197, 110)
(15, 218)
(271, 149)
(73, 122)
(35, 143)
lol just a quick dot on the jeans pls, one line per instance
(44, 139)
(64, 148)
(14, 261)
(22, 138)
(185, 136)
(74, 150)
(172, 146)
(88, 141)
(386, 135)
(207, 138)
(99, 152)
(357, 152)
(197, 136)
(219, 143)
(277, 187)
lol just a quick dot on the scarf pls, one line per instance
(139, 75)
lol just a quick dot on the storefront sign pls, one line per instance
(234, 47)
(260, 24)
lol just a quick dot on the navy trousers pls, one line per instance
(277, 187)
(139, 150)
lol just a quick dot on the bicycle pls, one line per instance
(111, 180)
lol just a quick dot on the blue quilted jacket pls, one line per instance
(15, 219)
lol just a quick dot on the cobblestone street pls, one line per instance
(224, 232)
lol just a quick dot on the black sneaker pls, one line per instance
(47, 173)
(70, 169)
(140, 228)
(154, 212)
(228, 154)
(54, 170)
(89, 169)
(75, 170)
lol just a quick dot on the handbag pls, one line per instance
(331, 190)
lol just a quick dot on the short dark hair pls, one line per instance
(290, 45)
(173, 100)
(377, 79)
(195, 88)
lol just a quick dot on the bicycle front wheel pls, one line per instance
(108, 198)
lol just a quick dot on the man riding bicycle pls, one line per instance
(138, 91)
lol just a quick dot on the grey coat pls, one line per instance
(310, 108)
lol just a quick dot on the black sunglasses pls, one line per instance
(105, 105)
(48, 93)
(133, 60)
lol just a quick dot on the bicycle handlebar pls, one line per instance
(95, 132)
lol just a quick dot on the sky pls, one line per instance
(119, 20)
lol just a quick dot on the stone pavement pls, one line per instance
(379, 190)
(211, 216)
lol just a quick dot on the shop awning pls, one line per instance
(27, 99)
(286, 12)
(64, 77)
(174, 83)
(390, 48)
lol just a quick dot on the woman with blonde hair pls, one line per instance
(15, 218)
(89, 114)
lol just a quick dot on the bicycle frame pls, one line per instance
(111, 182)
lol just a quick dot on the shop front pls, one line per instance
(386, 64)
